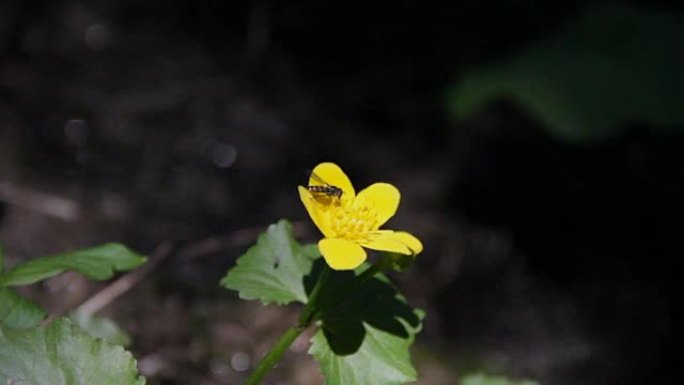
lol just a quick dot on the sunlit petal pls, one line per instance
(383, 198)
(315, 211)
(333, 175)
(341, 254)
(413, 243)
(385, 241)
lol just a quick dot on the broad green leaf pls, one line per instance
(61, 354)
(273, 269)
(98, 263)
(615, 65)
(18, 312)
(101, 327)
(365, 338)
(483, 379)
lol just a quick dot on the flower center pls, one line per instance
(349, 221)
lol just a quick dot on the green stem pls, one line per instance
(309, 311)
(273, 356)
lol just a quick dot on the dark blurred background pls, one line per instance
(538, 148)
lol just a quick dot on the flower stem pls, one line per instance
(273, 356)
(309, 311)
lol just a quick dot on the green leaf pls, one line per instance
(101, 327)
(272, 270)
(98, 263)
(365, 338)
(60, 354)
(18, 312)
(397, 261)
(616, 64)
(483, 379)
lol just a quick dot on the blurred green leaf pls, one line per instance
(273, 269)
(98, 263)
(18, 312)
(397, 261)
(365, 338)
(616, 64)
(60, 354)
(101, 327)
(483, 379)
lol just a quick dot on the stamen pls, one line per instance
(349, 221)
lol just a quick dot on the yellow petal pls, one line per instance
(413, 243)
(315, 211)
(384, 241)
(341, 254)
(383, 197)
(394, 241)
(331, 174)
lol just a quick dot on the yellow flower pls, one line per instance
(350, 221)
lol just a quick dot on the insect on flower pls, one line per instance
(323, 187)
(351, 222)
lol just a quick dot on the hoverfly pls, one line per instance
(324, 187)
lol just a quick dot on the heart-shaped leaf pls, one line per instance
(366, 327)
(273, 269)
(365, 337)
(61, 354)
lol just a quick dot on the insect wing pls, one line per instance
(316, 180)
(318, 185)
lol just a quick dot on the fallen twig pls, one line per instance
(102, 298)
